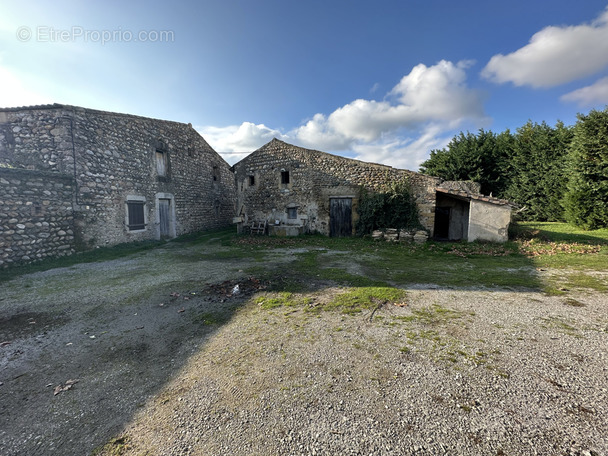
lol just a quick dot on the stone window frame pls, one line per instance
(140, 201)
(292, 213)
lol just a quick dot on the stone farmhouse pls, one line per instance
(296, 190)
(74, 179)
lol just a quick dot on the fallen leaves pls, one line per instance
(64, 387)
(533, 248)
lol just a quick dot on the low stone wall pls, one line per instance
(36, 218)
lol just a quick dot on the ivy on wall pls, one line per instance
(394, 208)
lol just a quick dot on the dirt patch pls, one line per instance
(165, 356)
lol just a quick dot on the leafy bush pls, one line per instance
(395, 208)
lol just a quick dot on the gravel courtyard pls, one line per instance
(160, 353)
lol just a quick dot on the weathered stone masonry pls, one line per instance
(73, 178)
(314, 179)
(36, 218)
(166, 170)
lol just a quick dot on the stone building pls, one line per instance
(462, 213)
(296, 190)
(299, 190)
(74, 178)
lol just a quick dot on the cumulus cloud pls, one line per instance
(554, 56)
(592, 95)
(399, 130)
(404, 153)
(427, 94)
(235, 141)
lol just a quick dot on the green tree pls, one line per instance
(586, 198)
(482, 157)
(538, 170)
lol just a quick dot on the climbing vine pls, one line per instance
(394, 208)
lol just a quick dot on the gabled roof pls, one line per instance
(277, 144)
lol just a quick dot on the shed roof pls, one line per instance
(461, 194)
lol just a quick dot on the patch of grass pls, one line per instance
(434, 264)
(115, 447)
(355, 300)
(559, 245)
(559, 232)
(91, 256)
(273, 300)
(573, 303)
(580, 280)
(221, 236)
(562, 325)
(211, 318)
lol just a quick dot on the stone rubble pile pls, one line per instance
(394, 235)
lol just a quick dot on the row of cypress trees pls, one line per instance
(553, 173)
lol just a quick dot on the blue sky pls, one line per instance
(384, 81)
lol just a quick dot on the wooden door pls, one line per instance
(340, 217)
(164, 217)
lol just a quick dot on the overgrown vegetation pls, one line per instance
(395, 208)
(553, 173)
(586, 200)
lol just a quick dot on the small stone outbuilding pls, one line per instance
(462, 213)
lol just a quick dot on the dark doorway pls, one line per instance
(340, 217)
(442, 223)
(164, 217)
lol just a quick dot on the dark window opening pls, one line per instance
(292, 212)
(251, 181)
(284, 177)
(216, 174)
(36, 209)
(136, 219)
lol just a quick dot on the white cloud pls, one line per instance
(400, 130)
(554, 56)
(595, 94)
(235, 141)
(427, 94)
(404, 153)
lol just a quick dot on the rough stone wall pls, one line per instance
(315, 177)
(112, 157)
(36, 219)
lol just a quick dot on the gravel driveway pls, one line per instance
(156, 354)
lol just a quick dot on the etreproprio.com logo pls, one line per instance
(48, 34)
